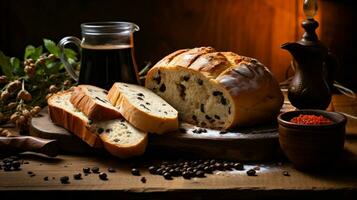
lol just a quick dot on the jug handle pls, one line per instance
(331, 64)
(63, 57)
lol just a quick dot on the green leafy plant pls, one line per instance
(26, 84)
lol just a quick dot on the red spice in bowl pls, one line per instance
(308, 141)
(311, 120)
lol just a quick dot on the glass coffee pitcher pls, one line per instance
(107, 54)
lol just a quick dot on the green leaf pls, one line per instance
(16, 66)
(37, 53)
(29, 51)
(15, 62)
(53, 67)
(5, 65)
(70, 54)
(52, 47)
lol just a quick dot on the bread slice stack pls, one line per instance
(122, 130)
(117, 136)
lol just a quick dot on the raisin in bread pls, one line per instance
(92, 101)
(117, 136)
(216, 89)
(143, 109)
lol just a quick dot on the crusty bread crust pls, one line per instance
(82, 100)
(72, 123)
(252, 90)
(141, 120)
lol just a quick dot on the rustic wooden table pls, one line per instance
(339, 182)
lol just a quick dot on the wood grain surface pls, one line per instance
(339, 182)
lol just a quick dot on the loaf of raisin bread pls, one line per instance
(216, 89)
(117, 136)
(143, 109)
(92, 101)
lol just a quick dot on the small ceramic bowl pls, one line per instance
(312, 147)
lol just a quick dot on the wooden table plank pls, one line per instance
(339, 182)
(269, 177)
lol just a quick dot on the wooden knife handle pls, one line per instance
(29, 143)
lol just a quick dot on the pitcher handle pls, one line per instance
(63, 57)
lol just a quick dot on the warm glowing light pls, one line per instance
(310, 8)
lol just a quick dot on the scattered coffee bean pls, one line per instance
(26, 162)
(257, 168)
(86, 170)
(200, 174)
(7, 166)
(186, 175)
(152, 169)
(219, 166)
(64, 179)
(135, 172)
(223, 132)
(16, 165)
(227, 166)
(45, 178)
(207, 169)
(167, 176)
(111, 169)
(251, 172)
(29, 172)
(32, 175)
(143, 179)
(286, 173)
(238, 166)
(77, 176)
(95, 170)
(103, 176)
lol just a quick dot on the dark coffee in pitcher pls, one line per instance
(103, 65)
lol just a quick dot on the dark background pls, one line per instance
(253, 28)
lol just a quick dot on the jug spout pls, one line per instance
(295, 49)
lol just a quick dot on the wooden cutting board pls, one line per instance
(249, 144)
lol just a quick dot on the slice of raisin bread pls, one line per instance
(117, 136)
(143, 109)
(92, 101)
(214, 89)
